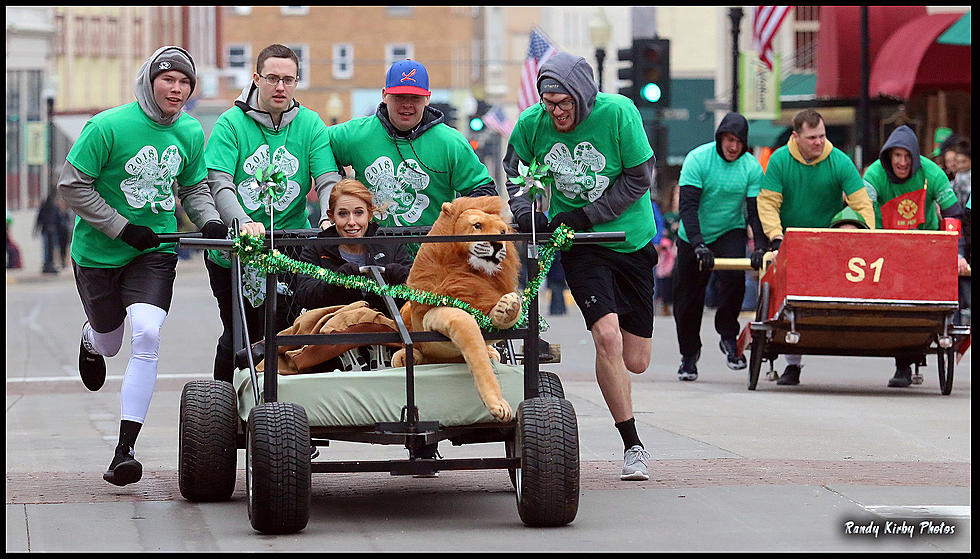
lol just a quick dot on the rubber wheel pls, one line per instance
(278, 473)
(549, 385)
(547, 482)
(755, 357)
(947, 359)
(207, 443)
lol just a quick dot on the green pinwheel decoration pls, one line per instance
(536, 180)
(271, 183)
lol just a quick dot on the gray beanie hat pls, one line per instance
(551, 85)
(174, 59)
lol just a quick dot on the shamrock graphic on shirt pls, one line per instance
(283, 194)
(577, 175)
(398, 194)
(151, 178)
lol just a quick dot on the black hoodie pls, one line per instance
(901, 137)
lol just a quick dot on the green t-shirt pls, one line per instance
(812, 194)
(410, 180)
(135, 162)
(301, 150)
(930, 175)
(724, 186)
(587, 160)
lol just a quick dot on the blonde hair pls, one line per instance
(350, 187)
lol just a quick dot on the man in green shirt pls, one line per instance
(266, 129)
(719, 183)
(406, 155)
(805, 185)
(119, 178)
(602, 164)
(905, 188)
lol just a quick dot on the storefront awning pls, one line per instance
(911, 60)
(959, 33)
(70, 125)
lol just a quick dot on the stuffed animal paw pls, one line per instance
(507, 311)
(498, 408)
(398, 359)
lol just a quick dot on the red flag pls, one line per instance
(765, 22)
(906, 211)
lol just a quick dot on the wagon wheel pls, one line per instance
(546, 441)
(207, 447)
(277, 474)
(947, 359)
(549, 386)
(755, 359)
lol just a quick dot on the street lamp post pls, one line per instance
(599, 32)
(735, 14)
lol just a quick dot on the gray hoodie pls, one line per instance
(901, 137)
(575, 74)
(79, 192)
(223, 184)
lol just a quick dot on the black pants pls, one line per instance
(690, 285)
(221, 287)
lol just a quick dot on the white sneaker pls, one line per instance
(635, 464)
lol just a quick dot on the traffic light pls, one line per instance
(476, 119)
(448, 111)
(626, 73)
(651, 72)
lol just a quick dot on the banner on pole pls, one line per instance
(759, 90)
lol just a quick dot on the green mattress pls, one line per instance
(443, 392)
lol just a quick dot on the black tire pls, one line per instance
(278, 473)
(549, 385)
(207, 452)
(547, 482)
(947, 360)
(755, 357)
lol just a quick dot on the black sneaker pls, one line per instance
(902, 378)
(734, 361)
(91, 365)
(790, 376)
(689, 368)
(124, 469)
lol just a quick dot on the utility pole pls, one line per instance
(864, 109)
(735, 14)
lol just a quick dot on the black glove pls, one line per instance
(349, 269)
(540, 222)
(214, 230)
(576, 219)
(139, 236)
(706, 258)
(774, 244)
(756, 258)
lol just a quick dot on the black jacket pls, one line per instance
(313, 293)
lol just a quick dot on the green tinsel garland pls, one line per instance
(249, 249)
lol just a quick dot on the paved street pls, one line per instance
(777, 469)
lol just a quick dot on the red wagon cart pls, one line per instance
(881, 293)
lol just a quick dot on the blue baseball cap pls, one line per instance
(407, 76)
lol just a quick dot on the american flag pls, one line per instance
(538, 51)
(765, 22)
(498, 122)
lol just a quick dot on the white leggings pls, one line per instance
(141, 373)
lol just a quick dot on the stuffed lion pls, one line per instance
(481, 273)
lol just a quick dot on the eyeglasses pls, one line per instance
(273, 79)
(565, 105)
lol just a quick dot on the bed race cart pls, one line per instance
(874, 293)
(276, 417)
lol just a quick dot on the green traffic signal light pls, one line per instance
(476, 124)
(651, 92)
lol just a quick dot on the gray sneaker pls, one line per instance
(635, 464)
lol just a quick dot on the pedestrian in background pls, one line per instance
(266, 130)
(719, 184)
(13, 251)
(119, 178)
(48, 223)
(602, 164)
(963, 179)
(803, 185)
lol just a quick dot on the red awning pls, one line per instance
(911, 60)
(838, 58)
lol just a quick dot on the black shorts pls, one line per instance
(106, 292)
(604, 281)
